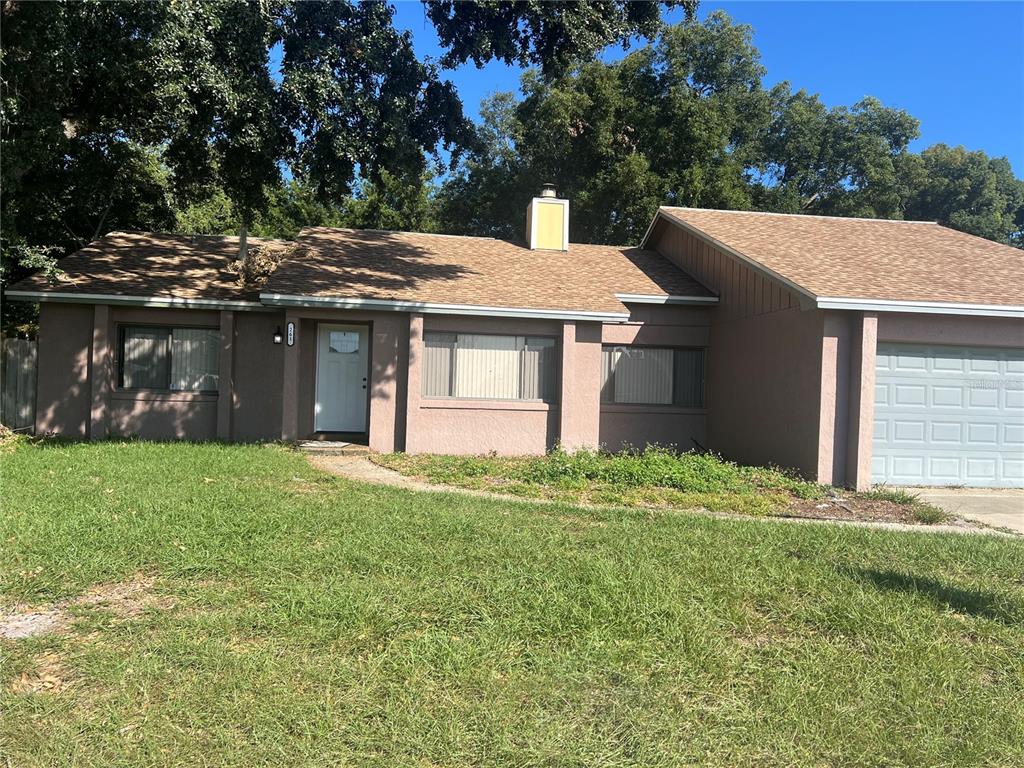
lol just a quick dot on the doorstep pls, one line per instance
(333, 448)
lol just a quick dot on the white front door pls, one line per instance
(341, 373)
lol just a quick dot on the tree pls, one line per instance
(844, 161)
(555, 36)
(969, 191)
(351, 97)
(673, 122)
(200, 98)
(76, 116)
(393, 203)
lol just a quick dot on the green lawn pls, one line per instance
(660, 478)
(308, 620)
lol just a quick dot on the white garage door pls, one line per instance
(949, 416)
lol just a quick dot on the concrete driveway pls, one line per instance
(1003, 507)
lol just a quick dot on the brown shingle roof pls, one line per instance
(363, 264)
(148, 264)
(871, 259)
(477, 271)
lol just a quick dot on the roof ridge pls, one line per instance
(192, 235)
(519, 243)
(796, 215)
(397, 232)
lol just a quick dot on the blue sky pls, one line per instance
(956, 67)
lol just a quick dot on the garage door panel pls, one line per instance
(983, 398)
(944, 470)
(948, 432)
(910, 395)
(908, 431)
(881, 394)
(1013, 434)
(944, 396)
(949, 416)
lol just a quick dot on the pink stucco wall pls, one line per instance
(386, 406)
(637, 426)
(453, 426)
(764, 362)
(62, 394)
(910, 328)
(258, 371)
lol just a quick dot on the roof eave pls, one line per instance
(643, 298)
(427, 308)
(920, 307)
(173, 302)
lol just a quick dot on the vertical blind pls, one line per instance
(180, 359)
(652, 376)
(194, 359)
(488, 366)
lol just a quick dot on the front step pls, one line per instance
(333, 448)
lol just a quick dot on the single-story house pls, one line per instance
(855, 351)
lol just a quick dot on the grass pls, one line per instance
(309, 620)
(922, 510)
(654, 477)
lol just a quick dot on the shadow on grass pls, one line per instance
(970, 602)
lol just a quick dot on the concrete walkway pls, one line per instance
(1001, 507)
(362, 469)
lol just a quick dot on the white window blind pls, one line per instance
(194, 359)
(488, 366)
(653, 376)
(178, 359)
(145, 358)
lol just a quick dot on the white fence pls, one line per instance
(18, 383)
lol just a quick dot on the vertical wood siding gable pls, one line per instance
(742, 291)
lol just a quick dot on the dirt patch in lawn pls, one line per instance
(860, 509)
(123, 600)
(49, 674)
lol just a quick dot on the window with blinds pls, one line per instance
(652, 376)
(177, 359)
(488, 367)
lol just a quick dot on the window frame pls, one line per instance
(122, 329)
(659, 406)
(453, 372)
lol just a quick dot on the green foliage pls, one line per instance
(140, 115)
(394, 203)
(686, 121)
(844, 161)
(969, 191)
(655, 476)
(553, 36)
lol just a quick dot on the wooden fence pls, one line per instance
(18, 383)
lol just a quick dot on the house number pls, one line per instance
(291, 334)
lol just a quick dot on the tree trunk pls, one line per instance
(243, 244)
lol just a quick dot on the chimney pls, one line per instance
(547, 221)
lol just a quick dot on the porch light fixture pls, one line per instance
(278, 336)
